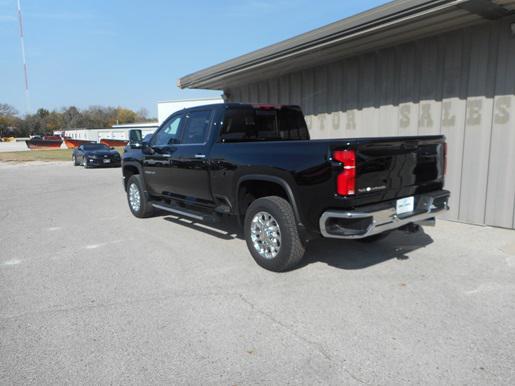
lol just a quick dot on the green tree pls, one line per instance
(8, 117)
(55, 121)
(71, 117)
(125, 115)
(42, 113)
(45, 121)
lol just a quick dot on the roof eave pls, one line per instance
(376, 17)
(387, 17)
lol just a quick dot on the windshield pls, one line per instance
(96, 146)
(247, 123)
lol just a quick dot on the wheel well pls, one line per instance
(254, 189)
(128, 172)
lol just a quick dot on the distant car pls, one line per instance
(95, 155)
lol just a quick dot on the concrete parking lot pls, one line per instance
(92, 295)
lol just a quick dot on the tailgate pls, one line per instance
(400, 166)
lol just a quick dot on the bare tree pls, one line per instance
(142, 114)
(7, 110)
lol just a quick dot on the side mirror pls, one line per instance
(135, 138)
(112, 148)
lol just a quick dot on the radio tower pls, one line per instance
(25, 71)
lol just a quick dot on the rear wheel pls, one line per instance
(271, 234)
(74, 159)
(139, 204)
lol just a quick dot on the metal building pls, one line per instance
(116, 132)
(406, 68)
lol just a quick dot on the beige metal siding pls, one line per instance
(501, 169)
(461, 84)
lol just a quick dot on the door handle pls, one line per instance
(200, 156)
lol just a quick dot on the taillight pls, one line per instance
(445, 158)
(346, 180)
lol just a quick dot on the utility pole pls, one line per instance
(24, 59)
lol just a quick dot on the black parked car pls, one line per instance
(94, 155)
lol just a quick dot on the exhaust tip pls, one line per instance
(411, 228)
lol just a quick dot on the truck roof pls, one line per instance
(264, 106)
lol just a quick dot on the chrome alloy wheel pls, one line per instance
(134, 197)
(265, 235)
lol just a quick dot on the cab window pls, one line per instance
(169, 133)
(197, 127)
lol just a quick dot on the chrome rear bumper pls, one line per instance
(368, 221)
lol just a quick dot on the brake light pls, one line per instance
(266, 107)
(346, 180)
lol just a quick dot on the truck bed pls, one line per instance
(386, 169)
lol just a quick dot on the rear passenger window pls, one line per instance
(197, 127)
(246, 123)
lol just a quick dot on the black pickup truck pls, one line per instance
(257, 162)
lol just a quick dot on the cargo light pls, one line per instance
(267, 107)
(346, 180)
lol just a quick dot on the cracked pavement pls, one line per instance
(92, 295)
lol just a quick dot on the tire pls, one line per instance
(74, 159)
(374, 238)
(291, 249)
(145, 208)
(85, 163)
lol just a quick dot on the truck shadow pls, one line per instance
(349, 254)
(343, 254)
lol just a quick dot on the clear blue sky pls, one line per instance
(130, 53)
